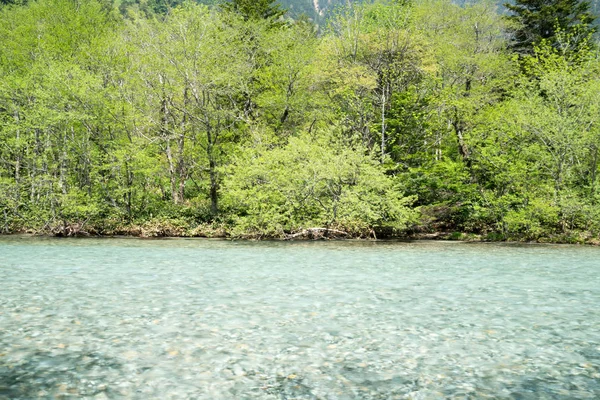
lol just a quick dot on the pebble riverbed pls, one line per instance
(209, 319)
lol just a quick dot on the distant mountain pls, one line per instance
(319, 10)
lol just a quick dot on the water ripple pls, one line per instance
(203, 319)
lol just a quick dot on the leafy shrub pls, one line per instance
(311, 183)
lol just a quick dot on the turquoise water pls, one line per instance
(204, 319)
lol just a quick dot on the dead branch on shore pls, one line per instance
(317, 233)
(70, 229)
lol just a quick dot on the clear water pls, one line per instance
(203, 319)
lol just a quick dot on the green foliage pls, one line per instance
(182, 119)
(255, 9)
(409, 125)
(281, 83)
(535, 21)
(312, 183)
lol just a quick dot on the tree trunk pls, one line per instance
(172, 173)
(214, 188)
(593, 171)
(165, 136)
(18, 152)
(458, 125)
(463, 150)
(181, 167)
(212, 172)
(383, 100)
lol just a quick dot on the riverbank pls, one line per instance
(181, 229)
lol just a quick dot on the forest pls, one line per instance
(394, 118)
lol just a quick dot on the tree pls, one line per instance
(468, 75)
(376, 54)
(281, 84)
(537, 155)
(537, 20)
(51, 99)
(190, 73)
(255, 9)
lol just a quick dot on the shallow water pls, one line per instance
(204, 319)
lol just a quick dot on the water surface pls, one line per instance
(206, 319)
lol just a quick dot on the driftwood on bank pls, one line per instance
(317, 233)
(70, 229)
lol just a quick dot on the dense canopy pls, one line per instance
(394, 118)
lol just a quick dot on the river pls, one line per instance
(214, 319)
